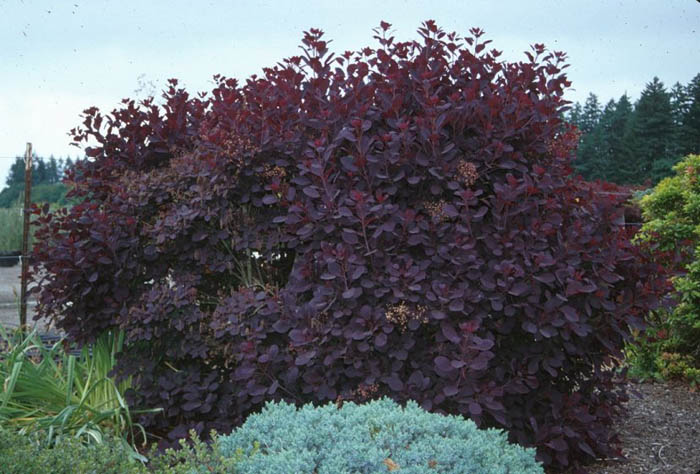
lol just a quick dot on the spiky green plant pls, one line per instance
(49, 391)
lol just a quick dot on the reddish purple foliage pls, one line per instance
(415, 216)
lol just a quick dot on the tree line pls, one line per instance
(46, 181)
(637, 143)
(44, 171)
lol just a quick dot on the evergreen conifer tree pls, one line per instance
(52, 170)
(39, 172)
(16, 173)
(680, 104)
(622, 163)
(590, 143)
(690, 138)
(574, 115)
(590, 114)
(653, 133)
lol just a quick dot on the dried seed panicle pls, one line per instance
(436, 209)
(365, 392)
(400, 314)
(236, 145)
(467, 172)
(274, 172)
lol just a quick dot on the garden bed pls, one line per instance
(660, 432)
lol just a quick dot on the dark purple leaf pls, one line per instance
(394, 382)
(519, 289)
(547, 278)
(199, 236)
(450, 390)
(269, 199)
(304, 358)
(558, 444)
(481, 344)
(480, 362)
(529, 326)
(349, 163)
(312, 192)
(349, 237)
(570, 313)
(449, 332)
(443, 364)
(380, 340)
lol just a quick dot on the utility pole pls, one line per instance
(25, 236)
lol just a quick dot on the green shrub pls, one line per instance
(670, 347)
(196, 457)
(379, 436)
(22, 454)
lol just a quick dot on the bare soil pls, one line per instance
(660, 434)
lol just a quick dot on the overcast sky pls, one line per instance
(59, 57)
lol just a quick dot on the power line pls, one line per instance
(42, 157)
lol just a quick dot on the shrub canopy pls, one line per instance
(379, 436)
(396, 221)
(671, 345)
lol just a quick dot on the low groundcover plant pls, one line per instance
(28, 454)
(378, 436)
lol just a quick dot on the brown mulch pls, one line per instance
(660, 434)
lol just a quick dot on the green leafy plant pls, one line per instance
(196, 456)
(27, 454)
(53, 394)
(670, 347)
(649, 358)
